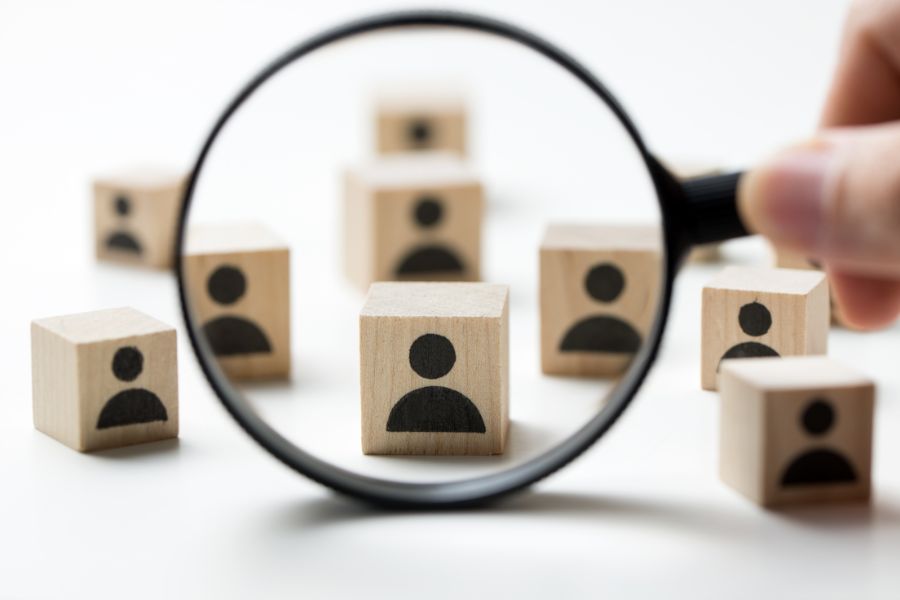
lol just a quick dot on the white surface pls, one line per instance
(96, 85)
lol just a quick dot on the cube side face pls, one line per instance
(395, 398)
(358, 232)
(248, 331)
(136, 226)
(55, 400)
(128, 390)
(427, 234)
(740, 324)
(584, 335)
(784, 259)
(741, 436)
(421, 130)
(818, 445)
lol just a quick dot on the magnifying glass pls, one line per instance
(426, 259)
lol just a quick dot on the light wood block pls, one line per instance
(753, 312)
(785, 259)
(135, 215)
(435, 368)
(412, 218)
(412, 120)
(795, 430)
(104, 379)
(238, 283)
(599, 288)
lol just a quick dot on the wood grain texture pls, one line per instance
(382, 230)
(73, 378)
(795, 301)
(263, 260)
(766, 438)
(414, 120)
(135, 214)
(474, 318)
(568, 254)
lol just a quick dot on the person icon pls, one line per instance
(604, 283)
(420, 133)
(428, 213)
(755, 320)
(134, 405)
(819, 465)
(434, 408)
(122, 240)
(230, 335)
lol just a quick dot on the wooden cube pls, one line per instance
(599, 289)
(795, 430)
(435, 368)
(135, 215)
(785, 259)
(755, 312)
(412, 218)
(420, 119)
(238, 284)
(104, 379)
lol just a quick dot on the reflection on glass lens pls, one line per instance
(424, 255)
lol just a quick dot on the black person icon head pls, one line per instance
(755, 320)
(821, 465)
(434, 408)
(133, 405)
(122, 240)
(433, 258)
(604, 283)
(420, 132)
(230, 335)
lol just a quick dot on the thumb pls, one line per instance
(836, 198)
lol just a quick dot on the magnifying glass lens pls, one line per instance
(422, 255)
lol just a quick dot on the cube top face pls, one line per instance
(434, 369)
(135, 214)
(793, 282)
(757, 312)
(600, 238)
(232, 237)
(102, 325)
(813, 441)
(599, 293)
(238, 281)
(441, 300)
(405, 171)
(105, 379)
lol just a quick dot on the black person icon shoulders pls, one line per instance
(434, 368)
(422, 117)
(796, 430)
(412, 217)
(135, 212)
(238, 283)
(434, 408)
(105, 379)
(599, 287)
(757, 312)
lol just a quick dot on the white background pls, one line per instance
(90, 86)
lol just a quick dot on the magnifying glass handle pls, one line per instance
(710, 206)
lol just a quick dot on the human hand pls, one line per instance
(836, 198)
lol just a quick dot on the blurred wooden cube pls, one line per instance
(599, 288)
(135, 216)
(420, 119)
(755, 312)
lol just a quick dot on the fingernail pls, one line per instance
(784, 198)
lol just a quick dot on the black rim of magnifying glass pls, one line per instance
(486, 487)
